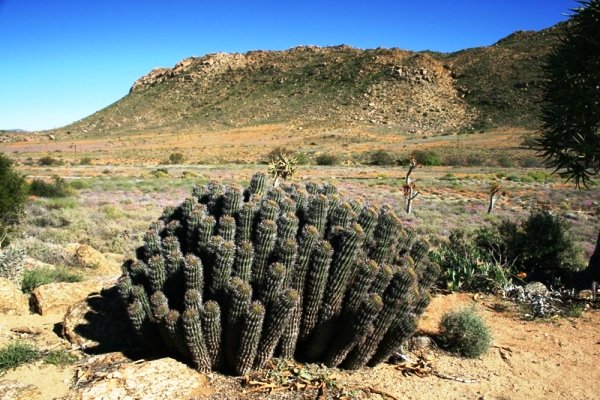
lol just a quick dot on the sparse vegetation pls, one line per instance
(11, 263)
(60, 357)
(16, 354)
(85, 161)
(327, 159)
(33, 278)
(57, 188)
(13, 194)
(383, 158)
(465, 333)
(176, 158)
(427, 157)
(473, 262)
(48, 161)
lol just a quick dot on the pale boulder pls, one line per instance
(56, 298)
(12, 300)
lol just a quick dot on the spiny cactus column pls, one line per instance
(233, 276)
(250, 332)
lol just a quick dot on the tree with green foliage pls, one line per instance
(13, 193)
(570, 141)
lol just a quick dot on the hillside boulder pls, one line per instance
(56, 298)
(85, 256)
(99, 324)
(12, 300)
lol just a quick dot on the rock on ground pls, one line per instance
(112, 377)
(14, 390)
(99, 323)
(56, 298)
(86, 256)
(12, 300)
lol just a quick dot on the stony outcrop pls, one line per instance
(98, 324)
(112, 376)
(85, 256)
(12, 300)
(56, 298)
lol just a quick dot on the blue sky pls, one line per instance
(63, 60)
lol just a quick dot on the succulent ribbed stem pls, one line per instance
(244, 257)
(354, 328)
(315, 287)
(211, 323)
(275, 322)
(195, 340)
(266, 236)
(240, 297)
(250, 334)
(245, 223)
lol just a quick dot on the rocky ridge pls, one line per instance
(311, 86)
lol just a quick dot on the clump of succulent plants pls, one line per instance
(234, 276)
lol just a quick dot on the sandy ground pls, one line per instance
(546, 359)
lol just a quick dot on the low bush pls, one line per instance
(33, 278)
(160, 173)
(60, 357)
(427, 157)
(277, 152)
(15, 354)
(327, 159)
(465, 333)
(539, 248)
(506, 162)
(383, 158)
(57, 188)
(48, 161)
(81, 184)
(529, 141)
(11, 263)
(532, 162)
(176, 158)
(85, 161)
(468, 265)
(13, 194)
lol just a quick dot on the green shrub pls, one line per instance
(532, 162)
(548, 251)
(15, 354)
(81, 184)
(382, 157)
(540, 246)
(470, 261)
(11, 263)
(506, 162)
(60, 357)
(13, 194)
(33, 278)
(538, 176)
(48, 161)
(160, 173)
(176, 158)
(465, 333)
(327, 159)
(302, 158)
(529, 141)
(57, 188)
(85, 161)
(427, 157)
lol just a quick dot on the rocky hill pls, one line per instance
(310, 86)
